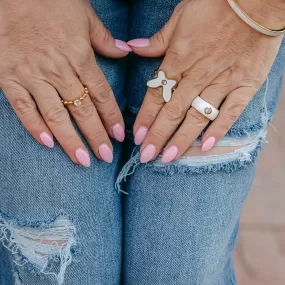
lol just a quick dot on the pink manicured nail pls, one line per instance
(140, 135)
(208, 144)
(47, 139)
(169, 154)
(119, 132)
(148, 153)
(123, 46)
(138, 43)
(106, 153)
(83, 157)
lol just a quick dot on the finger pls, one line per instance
(86, 117)
(173, 112)
(158, 44)
(196, 78)
(102, 41)
(103, 98)
(26, 110)
(153, 101)
(57, 118)
(230, 111)
(194, 123)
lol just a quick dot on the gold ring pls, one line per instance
(76, 102)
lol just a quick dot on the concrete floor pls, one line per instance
(260, 252)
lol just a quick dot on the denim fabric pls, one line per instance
(177, 225)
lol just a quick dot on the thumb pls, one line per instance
(158, 44)
(103, 42)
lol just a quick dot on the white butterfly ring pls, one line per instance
(167, 85)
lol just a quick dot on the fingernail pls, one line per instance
(47, 140)
(83, 157)
(119, 132)
(148, 153)
(138, 43)
(208, 144)
(169, 154)
(140, 135)
(123, 46)
(106, 153)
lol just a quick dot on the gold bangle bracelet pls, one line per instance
(255, 25)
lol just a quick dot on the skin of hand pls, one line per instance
(213, 54)
(46, 54)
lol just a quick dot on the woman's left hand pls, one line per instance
(213, 54)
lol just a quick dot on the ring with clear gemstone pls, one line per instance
(77, 102)
(208, 110)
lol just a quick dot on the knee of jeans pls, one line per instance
(229, 155)
(43, 248)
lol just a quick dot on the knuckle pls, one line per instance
(147, 117)
(184, 139)
(155, 96)
(158, 133)
(24, 106)
(160, 38)
(97, 135)
(22, 71)
(173, 111)
(103, 94)
(176, 53)
(196, 117)
(233, 111)
(254, 81)
(105, 35)
(69, 141)
(56, 116)
(110, 116)
(34, 125)
(202, 71)
(86, 110)
(84, 55)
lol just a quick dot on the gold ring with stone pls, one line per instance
(77, 102)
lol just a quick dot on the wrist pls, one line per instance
(269, 13)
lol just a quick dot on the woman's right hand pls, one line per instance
(46, 54)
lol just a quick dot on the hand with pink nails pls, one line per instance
(213, 54)
(47, 55)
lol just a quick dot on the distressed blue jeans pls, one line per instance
(64, 224)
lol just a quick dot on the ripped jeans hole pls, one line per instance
(45, 250)
(228, 155)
